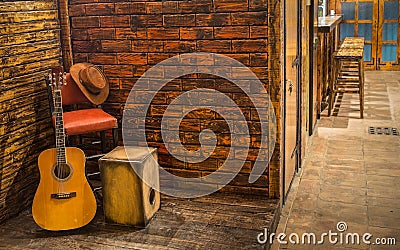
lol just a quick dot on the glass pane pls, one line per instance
(389, 52)
(346, 29)
(365, 11)
(391, 10)
(389, 31)
(365, 30)
(348, 10)
(367, 52)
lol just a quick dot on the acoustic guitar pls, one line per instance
(63, 200)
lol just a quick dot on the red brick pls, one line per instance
(243, 58)
(144, 97)
(185, 173)
(132, 58)
(141, 21)
(201, 114)
(154, 58)
(101, 58)
(113, 83)
(180, 20)
(79, 34)
(152, 122)
(173, 85)
(118, 70)
(256, 5)
(170, 7)
(76, 10)
(259, 59)
(114, 21)
(80, 57)
(72, 2)
(147, 46)
(116, 45)
(218, 126)
(163, 33)
(217, 46)
(207, 165)
(261, 72)
(204, 6)
(179, 46)
(130, 33)
(213, 19)
(231, 32)
(188, 6)
(225, 86)
(101, 33)
(86, 46)
(100, 9)
(243, 180)
(258, 31)
(130, 8)
(85, 22)
(190, 84)
(196, 33)
(224, 139)
(249, 18)
(249, 45)
(153, 7)
(230, 5)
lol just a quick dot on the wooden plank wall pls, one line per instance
(125, 38)
(29, 45)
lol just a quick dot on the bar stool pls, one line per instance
(348, 71)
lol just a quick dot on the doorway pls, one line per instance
(378, 22)
(292, 92)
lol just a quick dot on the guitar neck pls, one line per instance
(59, 127)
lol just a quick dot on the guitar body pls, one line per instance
(67, 203)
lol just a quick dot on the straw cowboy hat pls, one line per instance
(91, 80)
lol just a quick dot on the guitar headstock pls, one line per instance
(57, 78)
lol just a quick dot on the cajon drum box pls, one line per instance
(127, 199)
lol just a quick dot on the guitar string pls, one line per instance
(60, 136)
(57, 103)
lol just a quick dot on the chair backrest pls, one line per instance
(71, 94)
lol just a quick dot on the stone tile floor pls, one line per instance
(349, 175)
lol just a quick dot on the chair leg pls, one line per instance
(115, 136)
(103, 141)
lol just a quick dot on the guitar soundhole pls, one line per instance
(62, 171)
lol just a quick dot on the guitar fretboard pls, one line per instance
(59, 127)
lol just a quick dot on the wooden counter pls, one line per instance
(328, 36)
(327, 24)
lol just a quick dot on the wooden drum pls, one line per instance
(127, 199)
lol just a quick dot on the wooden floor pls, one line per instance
(217, 221)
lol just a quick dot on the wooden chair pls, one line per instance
(78, 122)
(348, 71)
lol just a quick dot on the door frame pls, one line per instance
(297, 149)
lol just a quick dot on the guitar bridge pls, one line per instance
(63, 196)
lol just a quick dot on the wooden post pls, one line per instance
(65, 34)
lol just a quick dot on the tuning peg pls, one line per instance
(54, 79)
(64, 77)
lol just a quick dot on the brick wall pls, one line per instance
(126, 38)
(29, 38)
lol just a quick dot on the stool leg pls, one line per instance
(361, 86)
(331, 100)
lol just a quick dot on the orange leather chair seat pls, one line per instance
(87, 120)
